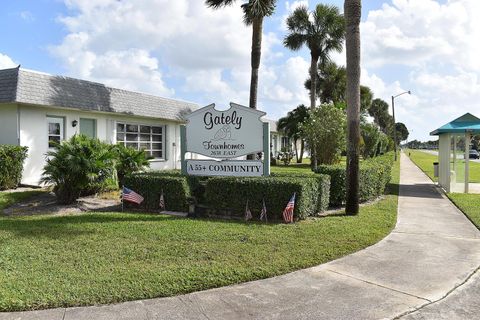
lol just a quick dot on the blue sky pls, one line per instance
(183, 50)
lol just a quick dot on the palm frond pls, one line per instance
(218, 3)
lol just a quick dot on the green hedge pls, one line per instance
(230, 194)
(150, 185)
(11, 165)
(375, 174)
(323, 180)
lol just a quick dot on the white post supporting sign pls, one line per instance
(222, 136)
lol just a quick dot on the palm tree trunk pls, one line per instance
(302, 147)
(296, 149)
(313, 93)
(352, 9)
(257, 29)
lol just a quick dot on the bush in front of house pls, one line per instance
(79, 166)
(175, 188)
(375, 174)
(323, 180)
(128, 161)
(229, 195)
(11, 165)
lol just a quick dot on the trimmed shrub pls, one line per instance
(323, 180)
(150, 185)
(128, 161)
(11, 165)
(375, 174)
(80, 166)
(230, 194)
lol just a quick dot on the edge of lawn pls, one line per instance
(468, 204)
(335, 236)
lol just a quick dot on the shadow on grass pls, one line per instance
(68, 226)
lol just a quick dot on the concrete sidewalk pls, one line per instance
(433, 250)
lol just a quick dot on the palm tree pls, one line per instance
(322, 31)
(254, 12)
(321, 34)
(353, 12)
(291, 126)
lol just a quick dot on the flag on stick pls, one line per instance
(162, 201)
(131, 196)
(288, 212)
(248, 213)
(263, 213)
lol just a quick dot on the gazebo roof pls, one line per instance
(467, 122)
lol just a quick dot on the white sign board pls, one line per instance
(226, 134)
(237, 168)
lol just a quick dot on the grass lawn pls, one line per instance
(468, 203)
(96, 258)
(425, 162)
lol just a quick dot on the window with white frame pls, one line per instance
(149, 138)
(55, 130)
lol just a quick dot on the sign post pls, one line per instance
(221, 136)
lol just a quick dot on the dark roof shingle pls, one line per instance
(22, 86)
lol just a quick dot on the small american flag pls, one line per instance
(162, 201)
(288, 212)
(131, 196)
(263, 213)
(248, 213)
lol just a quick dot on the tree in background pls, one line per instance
(332, 86)
(353, 13)
(402, 132)
(322, 34)
(254, 13)
(325, 130)
(291, 126)
(371, 137)
(379, 111)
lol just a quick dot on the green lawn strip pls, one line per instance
(98, 258)
(469, 204)
(9, 198)
(425, 162)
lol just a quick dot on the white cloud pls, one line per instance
(136, 44)
(416, 32)
(436, 45)
(6, 62)
(27, 16)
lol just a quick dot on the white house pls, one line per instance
(37, 108)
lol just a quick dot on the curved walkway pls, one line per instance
(433, 250)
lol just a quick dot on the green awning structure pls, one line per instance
(466, 123)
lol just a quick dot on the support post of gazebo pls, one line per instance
(467, 160)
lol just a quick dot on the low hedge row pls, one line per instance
(230, 194)
(323, 180)
(375, 174)
(11, 165)
(150, 185)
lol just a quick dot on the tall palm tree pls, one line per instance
(322, 31)
(254, 12)
(353, 12)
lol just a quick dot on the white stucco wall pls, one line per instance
(8, 124)
(33, 134)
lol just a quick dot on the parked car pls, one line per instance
(474, 154)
